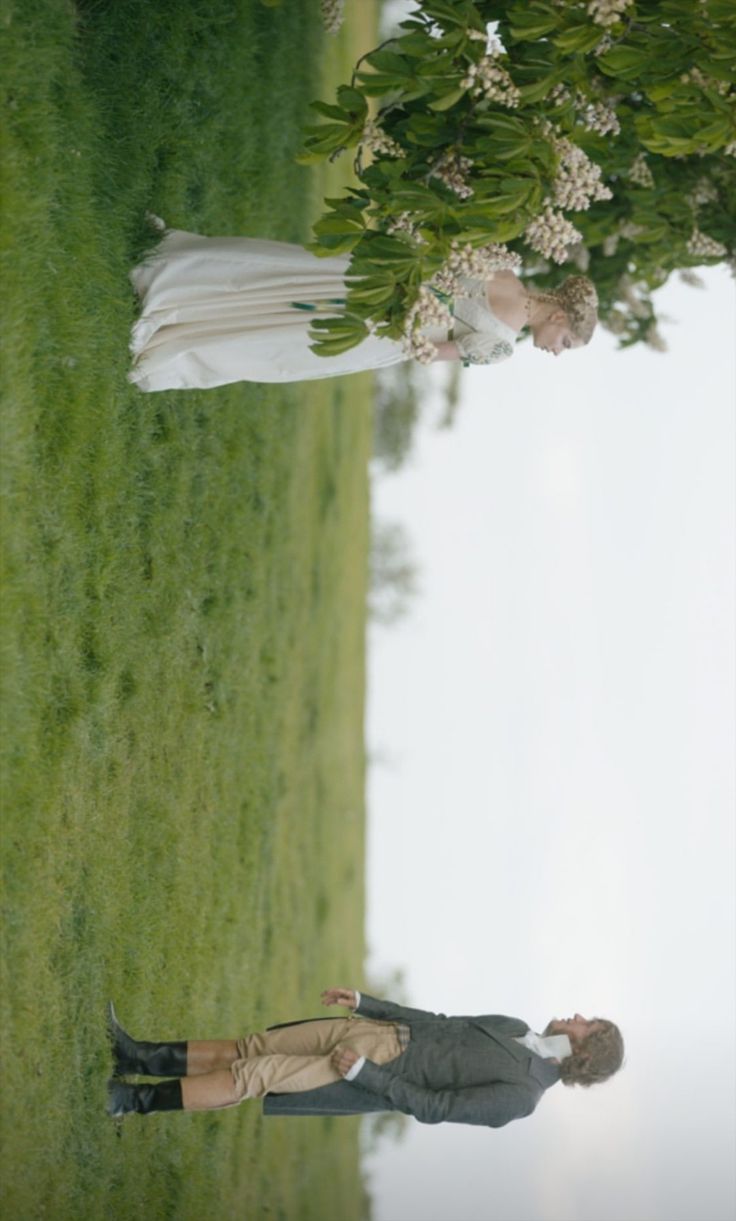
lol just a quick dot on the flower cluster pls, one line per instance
(627, 292)
(630, 230)
(600, 117)
(640, 173)
(551, 235)
(559, 94)
(579, 256)
(607, 12)
(704, 192)
(489, 80)
(654, 339)
(616, 322)
(696, 77)
(451, 169)
(578, 180)
(403, 224)
(700, 245)
(375, 140)
(610, 244)
(730, 149)
(426, 311)
(474, 263)
(333, 15)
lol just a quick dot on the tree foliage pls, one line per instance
(597, 133)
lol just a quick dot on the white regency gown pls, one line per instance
(229, 309)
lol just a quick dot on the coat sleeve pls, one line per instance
(388, 1011)
(490, 1105)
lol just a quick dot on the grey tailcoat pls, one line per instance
(455, 1070)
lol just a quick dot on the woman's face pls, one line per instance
(553, 334)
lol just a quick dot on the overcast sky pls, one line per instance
(551, 802)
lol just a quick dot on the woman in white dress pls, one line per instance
(230, 309)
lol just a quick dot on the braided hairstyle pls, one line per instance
(578, 298)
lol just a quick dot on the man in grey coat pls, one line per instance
(483, 1070)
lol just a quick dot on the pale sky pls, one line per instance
(551, 805)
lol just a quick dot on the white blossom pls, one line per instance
(488, 79)
(607, 12)
(627, 291)
(704, 192)
(654, 339)
(426, 311)
(579, 256)
(403, 223)
(551, 234)
(600, 117)
(475, 263)
(696, 77)
(692, 278)
(610, 244)
(578, 180)
(333, 14)
(604, 45)
(559, 94)
(640, 173)
(374, 139)
(730, 149)
(700, 245)
(451, 169)
(616, 322)
(630, 230)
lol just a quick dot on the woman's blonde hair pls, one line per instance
(578, 298)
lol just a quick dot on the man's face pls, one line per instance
(576, 1028)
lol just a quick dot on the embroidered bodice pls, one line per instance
(481, 337)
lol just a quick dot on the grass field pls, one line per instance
(183, 618)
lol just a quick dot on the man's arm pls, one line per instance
(388, 1011)
(490, 1105)
(370, 1007)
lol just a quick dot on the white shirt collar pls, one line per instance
(549, 1047)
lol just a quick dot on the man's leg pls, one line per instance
(208, 1056)
(290, 1059)
(294, 1058)
(166, 1059)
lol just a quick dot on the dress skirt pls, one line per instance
(229, 309)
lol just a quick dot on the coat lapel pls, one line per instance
(506, 1031)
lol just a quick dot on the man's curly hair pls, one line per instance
(596, 1059)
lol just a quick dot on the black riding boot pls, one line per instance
(124, 1099)
(147, 1059)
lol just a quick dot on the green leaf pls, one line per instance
(372, 296)
(335, 347)
(352, 100)
(580, 38)
(444, 103)
(338, 224)
(388, 62)
(329, 112)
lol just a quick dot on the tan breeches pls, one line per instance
(295, 1058)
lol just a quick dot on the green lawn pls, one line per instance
(183, 618)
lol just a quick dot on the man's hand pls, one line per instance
(343, 1060)
(339, 996)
